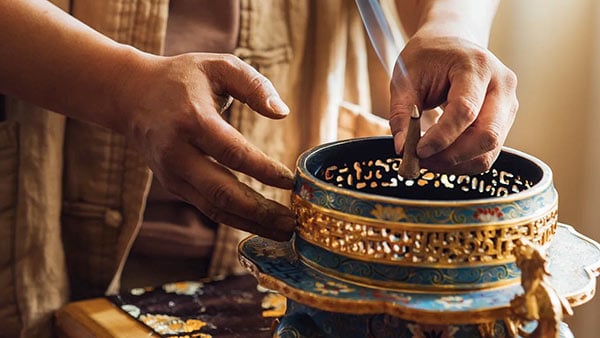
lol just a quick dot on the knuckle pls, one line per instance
(396, 126)
(451, 161)
(233, 156)
(398, 122)
(455, 158)
(257, 84)
(222, 195)
(481, 56)
(400, 109)
(221, 66)
(229, 61)
(489, 140)
(440, 143)
(476, 60)
(481, 59)
(482, 163)
(515, 107)
(510, 79)
(467, 109)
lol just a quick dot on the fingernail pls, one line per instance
(424, 151)
(398, 143)
(286, 177)
(278, 106)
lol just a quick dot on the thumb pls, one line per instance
(403, 98)
(240, 80)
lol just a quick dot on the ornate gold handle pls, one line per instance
(540, 301)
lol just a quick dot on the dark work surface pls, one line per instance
(227, 308)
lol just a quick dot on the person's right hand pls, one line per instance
(171, 107)
(479, 95)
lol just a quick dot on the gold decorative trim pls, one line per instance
(405, 245)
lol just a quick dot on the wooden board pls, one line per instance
(98, 318)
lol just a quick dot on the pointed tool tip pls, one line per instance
(415, 114)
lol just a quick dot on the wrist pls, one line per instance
(436, 29)
(468, 20)
(125, 84)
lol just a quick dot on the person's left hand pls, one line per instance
(478, 94)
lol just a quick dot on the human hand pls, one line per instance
(172, 106)
(478, 94)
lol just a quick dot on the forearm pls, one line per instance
(55, 61)
(467, 19)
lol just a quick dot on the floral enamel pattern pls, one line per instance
(488, 214)
(396, 297)
(306, 191)
(465, 213)
(332, 288)
(454, 302)
(388, 213)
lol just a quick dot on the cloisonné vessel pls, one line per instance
(375, 255)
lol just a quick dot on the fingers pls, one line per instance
(221, 197)
(225, 144)
(229, 75)
(479, 145)
(475, 166)
(464, 101)
(479, 93)
(280, 229)
(403, 98)
(242, 81)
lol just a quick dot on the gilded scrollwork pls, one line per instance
(408, 244)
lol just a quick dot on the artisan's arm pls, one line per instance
(467, 19)
(57, 62)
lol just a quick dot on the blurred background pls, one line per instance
(554, 48)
